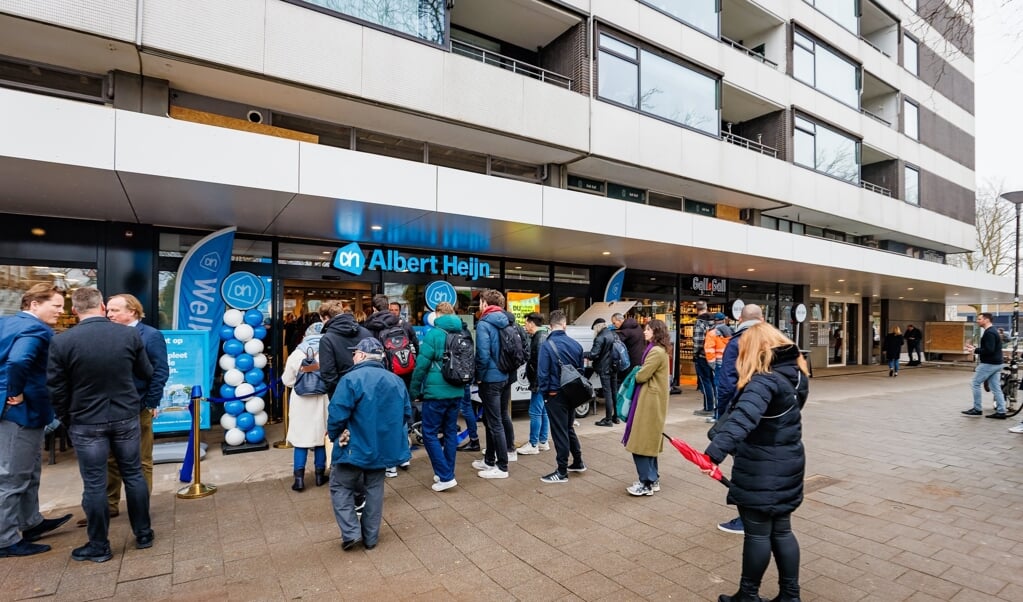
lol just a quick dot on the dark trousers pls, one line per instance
(497, 443)
(766, 535)
(509, 428)
(566, 442)
(646, 469)
(93, 444)
(609, 382)
(705, 382)
(469, 414)
(914, 347)
(348, 482)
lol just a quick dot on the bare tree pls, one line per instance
(996, 235)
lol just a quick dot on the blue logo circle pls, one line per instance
(242, 290)
(438, 292)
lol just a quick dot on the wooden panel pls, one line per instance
(946, 337)
(239, 124)
(728, 212)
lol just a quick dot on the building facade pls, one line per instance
(769, 151)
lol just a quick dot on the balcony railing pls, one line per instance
(875, 46)
(753, 145)
(875, 188)
(876, 118)
(749, 52)
(504, 62)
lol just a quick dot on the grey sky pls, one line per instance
(999, 91)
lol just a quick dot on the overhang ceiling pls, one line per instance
(527, 24)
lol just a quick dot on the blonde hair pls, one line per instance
(444, 308)
(896, 330)
(756, 351)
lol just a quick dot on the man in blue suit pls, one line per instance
(24, 345)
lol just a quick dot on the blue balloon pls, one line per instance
(259, 332)
(253, 317)
(245, 421)
(226, 333)
(255, 434)
(243, 362)
(226, 391)
(235, 407)
(233, 347)
(254, 377)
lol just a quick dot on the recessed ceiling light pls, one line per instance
(955, 294)
(606, 253)
(926, 299)
(841, 279)
(875, 295)
(518, 267)
(744, 286)
(909, 288)
(37, 232)
(838, 292)
(816, 290)
(751, 269)
(653, 278)
(375, 227)
(325, 253)
(901, 297)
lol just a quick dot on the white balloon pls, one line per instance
(430, 317)
(234, 436)
(259, 361)
(253, 347)
(233, 317)
(254, 405)
(226, 362)
(244, 390)
(234, 377)
(243, 332)
(228, 421)
(261, 418)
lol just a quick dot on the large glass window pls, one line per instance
(910, 55)
(423, 19)
(828, 71)
(911, 119)
(912, 186)
(701, 14)
(845, 12)
(658, 86)
(826, 150)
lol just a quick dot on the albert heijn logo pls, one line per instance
(349, 258)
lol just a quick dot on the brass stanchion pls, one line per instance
(197, 489)
(285, 408)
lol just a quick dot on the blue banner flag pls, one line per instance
(613, 292)
(197, 301)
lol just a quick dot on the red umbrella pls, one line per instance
(702, 460)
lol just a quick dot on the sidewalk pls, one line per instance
(906, 500)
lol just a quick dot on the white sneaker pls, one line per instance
(436, 479)
(442, 485)
(1017, 429)
(544, 446)
(656, 486)
(481, 464)
(391, 472)
(513, 456)
(528, 450)
(493, 473)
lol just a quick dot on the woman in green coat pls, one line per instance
(649, 409)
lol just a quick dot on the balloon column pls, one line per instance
(242, 363)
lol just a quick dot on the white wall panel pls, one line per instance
(625, 15)
(56, 130)
(614, 132)
(488, 197)
(660, 145)
(109, 18)
(343, 174)
(718, 234)
(554, 114)
(481, 94)
(701, 157)
(761, 242)
(655, 224)
(402, 72)
(583, 212)
(229, 32)
(302, 45)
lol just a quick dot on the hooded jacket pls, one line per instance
(338, 335)
(373, 404)
(427, 380)
(632, 335)
(728, 378)
(488, 346)
(24, 344)
(382, 321)
(764, 431)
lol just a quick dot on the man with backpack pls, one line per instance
(602, 358)
(558, 350)
(492, 379)
(539, 423)
(446, 364)
(340, 333)
(704, 371)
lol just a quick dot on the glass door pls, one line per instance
(836, 334)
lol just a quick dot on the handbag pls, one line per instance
(575, 389)
(309, 381)
(623, 398)
(715, 429)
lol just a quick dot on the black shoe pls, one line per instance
(474, 446)
(143, 542)
(299, 483)
(348, 544)
(972, 412)
(321, 476)
(89, 552)
(604, 422)
(23, 548)
(616, 420)
(48, 524)
(369, 546)
(998, 416)
(577, 467)
(891, 372)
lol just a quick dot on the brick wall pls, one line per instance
(957, 30)
(569, 56)
(947, 198)
(774, 129)
(947, 139)
(944, 78)
(883, 173)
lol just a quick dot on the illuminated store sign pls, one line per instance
(351, 259)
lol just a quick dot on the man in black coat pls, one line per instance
(340, 333)
(91, 377)
(601, 354)
(631, 334)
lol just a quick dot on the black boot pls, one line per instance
(299, 480)
(788, 590)
(321, 478)
(748, 592)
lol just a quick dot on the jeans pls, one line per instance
(347, 482)
(766, 535)
(469, 414)
(609, 382)
(563, 433)
(301, 454)
(145, 452)
(21, 461)
(509, 428)
(93, 444)
(497, 443)
(705, 382)
(539, 423)
(893, 364)
(440, 417)
(992, 374)
(646, 468)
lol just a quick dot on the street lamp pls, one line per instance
(1016, 198)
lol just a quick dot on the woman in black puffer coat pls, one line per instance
(764, 432)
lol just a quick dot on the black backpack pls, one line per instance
(400, 358)
(458, 364)
(309, 381)
(514, 350)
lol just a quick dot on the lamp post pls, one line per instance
(1016, 198)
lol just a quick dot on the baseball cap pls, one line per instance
(719, 316)
(369, 345)
(598, 321)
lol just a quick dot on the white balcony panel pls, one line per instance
(742, 172)
(306, 46)
(343, 174)
(229, 32)
(555, 114)
(701, 158)
(402, 72)
(489, 197)
(108, 18)
(615, 131)
(482, 94)
(660, 145)
(718, 234)
(654, 224)
(178, 149)
(56, 131)
(660, 28)
(761, 242)
(584, 212)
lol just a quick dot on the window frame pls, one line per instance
(916, 55)
(798, 32)
(906, 168)
(445, 44)
(717, 6)
(857, 13)
(906, 103)
(797, 116)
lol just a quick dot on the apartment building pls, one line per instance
(785, 153)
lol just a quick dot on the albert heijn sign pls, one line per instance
(352, 260)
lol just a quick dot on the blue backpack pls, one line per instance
(620, 356)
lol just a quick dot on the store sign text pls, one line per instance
(351, 259)
(706, 286)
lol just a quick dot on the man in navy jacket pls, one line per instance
(548, 367)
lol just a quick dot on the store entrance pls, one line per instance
(303, 298)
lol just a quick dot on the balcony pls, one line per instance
(753, 31)
(879, 101)
(879, 171)
(490, 57)
(879, 29)
(751, 122)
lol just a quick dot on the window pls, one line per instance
(910, 55)
(912, 186)
(844, 12)
(422, 19)
(701, 14)
(912, 4)
(657, 85)
(816, 65)
(664, 200)
(910, 119)
(826, 150)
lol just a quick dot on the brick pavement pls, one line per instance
(907, 500)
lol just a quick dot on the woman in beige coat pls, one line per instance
(649, 409)
(307, 414)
